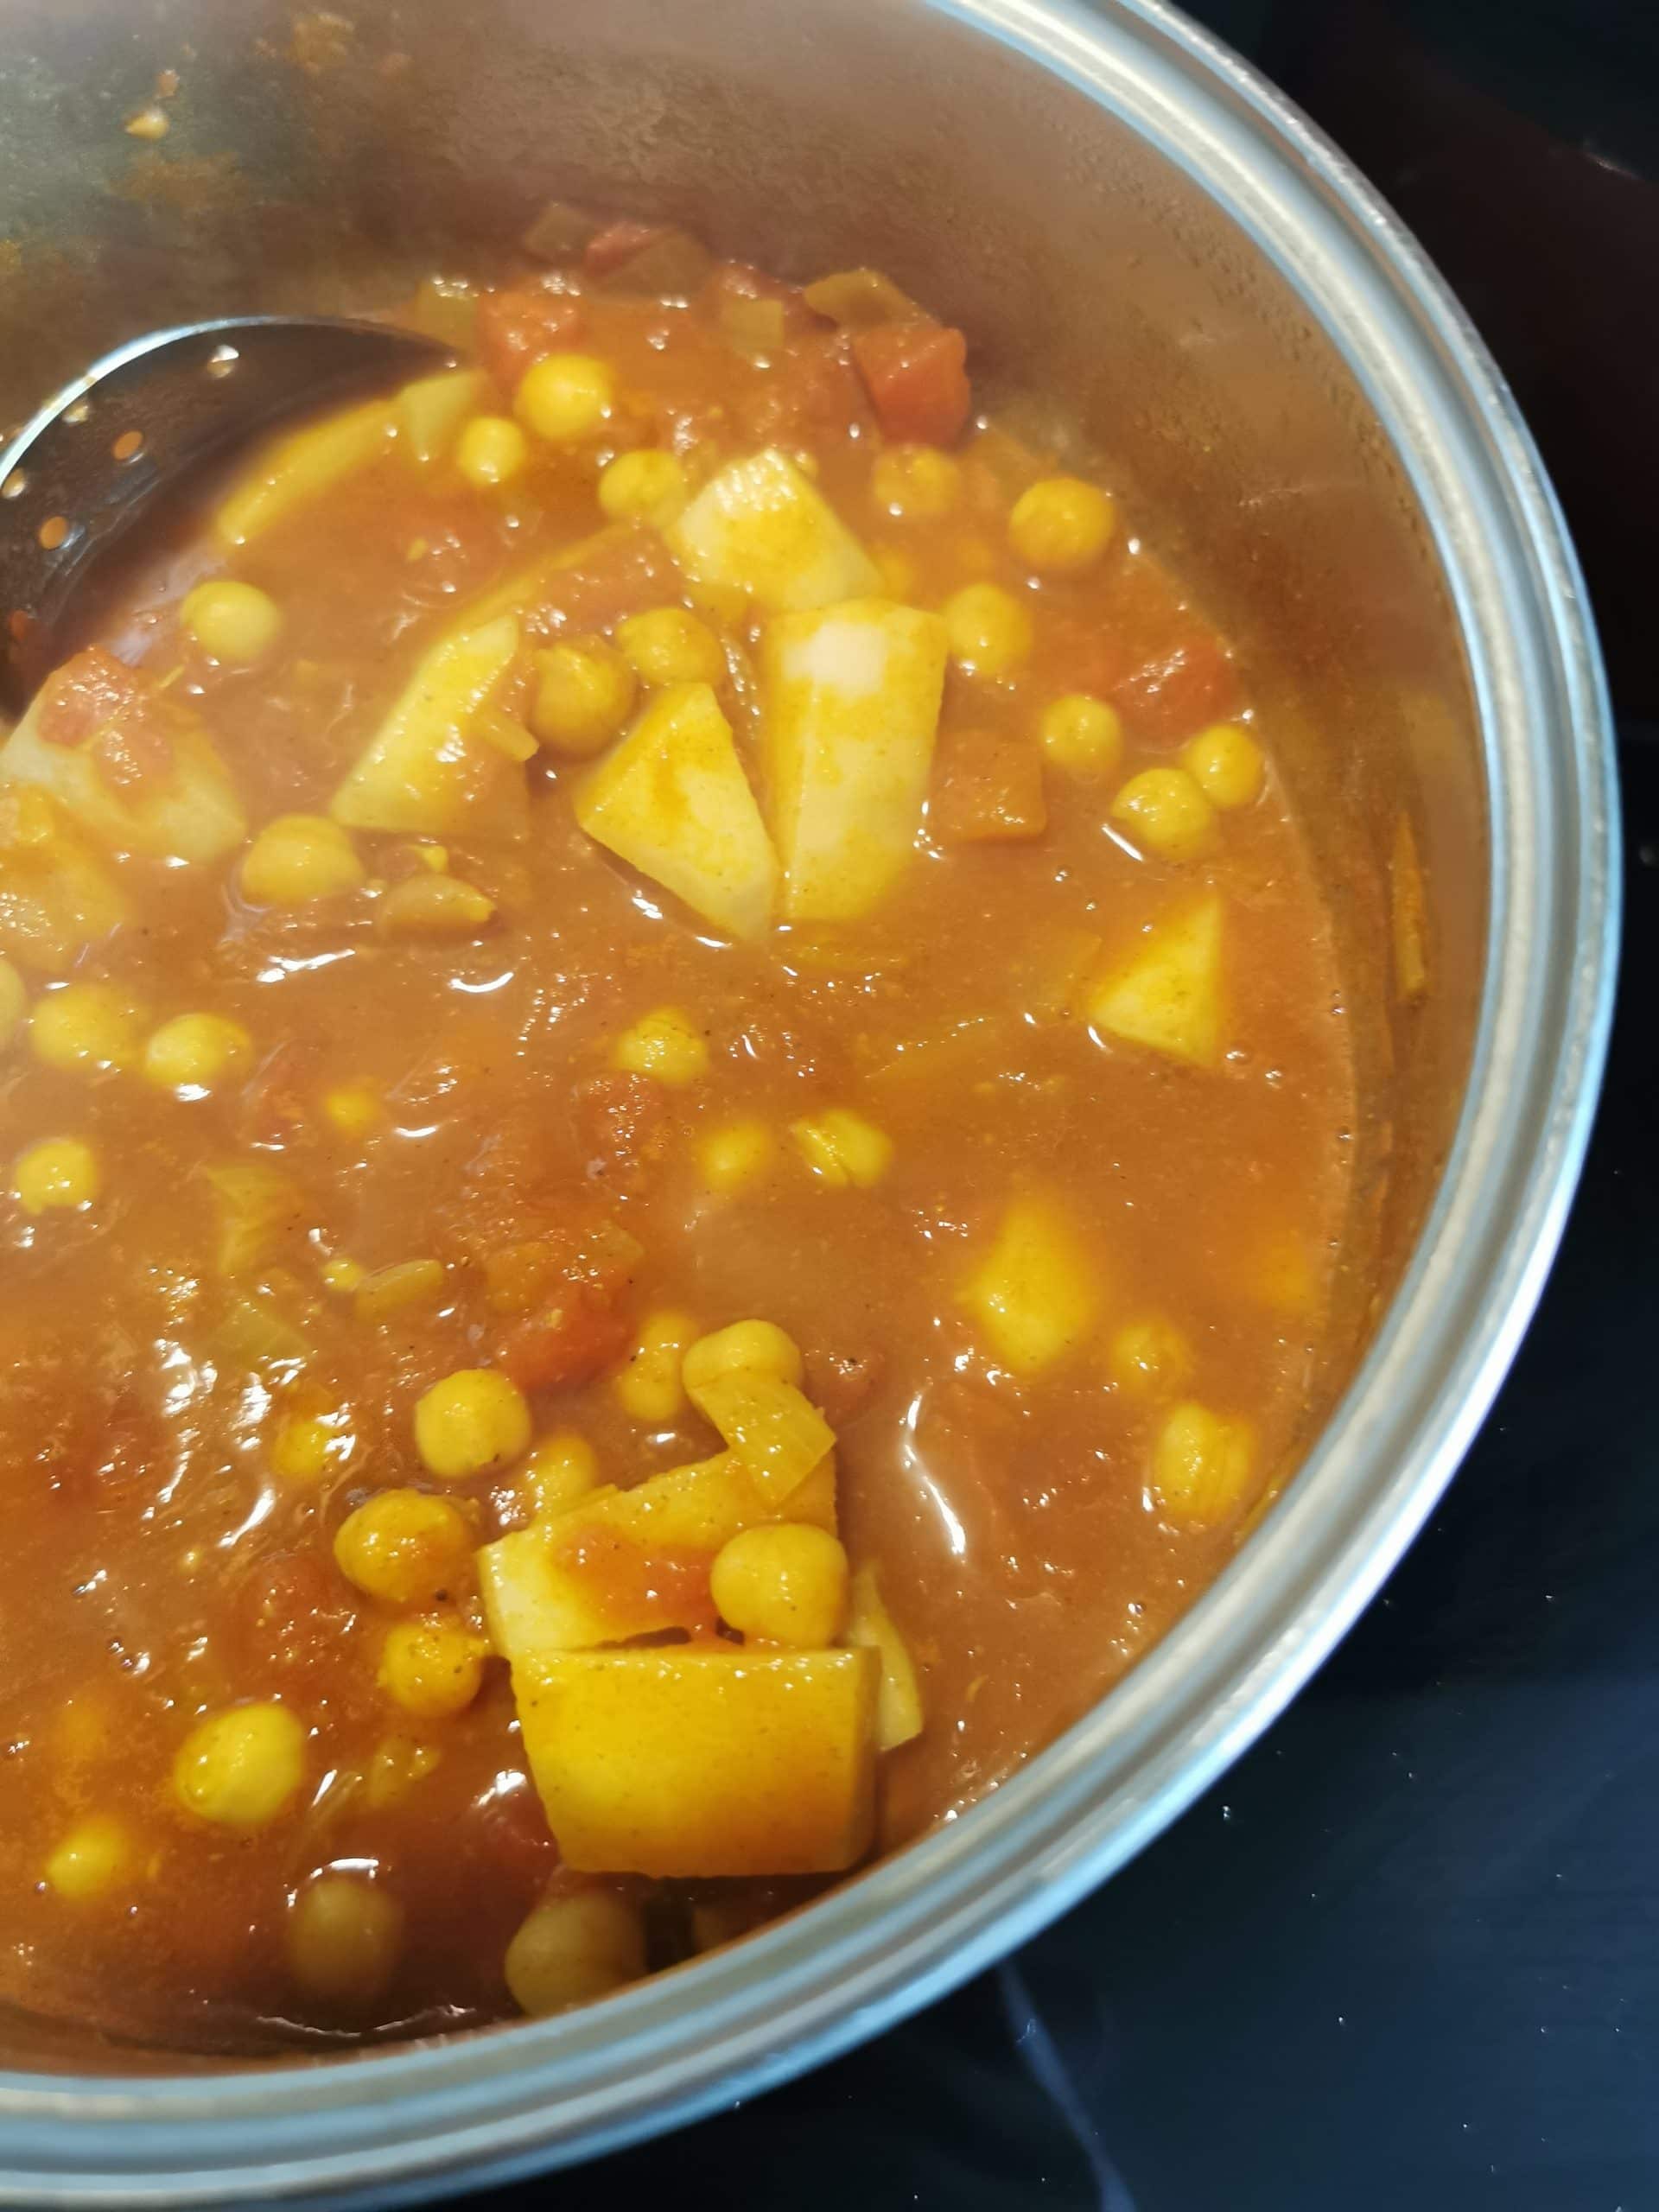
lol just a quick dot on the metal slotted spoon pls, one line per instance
(96, 458)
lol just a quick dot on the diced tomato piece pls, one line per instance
(988, 790)
(1189, 683)
(567, 1343)
(619, 242)
(628, 572)
(917, 380)
(813, 392)
(88, 692)
(516, 329)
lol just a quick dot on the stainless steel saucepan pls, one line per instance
(1119, 212)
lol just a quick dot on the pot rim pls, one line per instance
(392, 2127)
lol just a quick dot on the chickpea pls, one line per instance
(195, 1053)
(1226, 762)
(432, 1667)
(237, 623)
(990, 633)
(647, 485)
(432, 905)
(56, 1172)
(85, 1028)
(1061, 525)
(782, 1583)
(306, 1446)
(735, 1153)
(565, 397)
(1164, 810)
(1082, 736)
(649, 1388)
(585, 691)
(355, 1110)
(670, 645)
(665, 1044)
(842, 1149)
(573, 1948)
(757, 1347)
(491, 451)
(91, 1858)
(1148, 1358)
(297, 858)
(562, 1470)
(472, 1420)
(343, 1939)
(915, 483)
(240, 1767)
(1202, 1464)
(404, 1546)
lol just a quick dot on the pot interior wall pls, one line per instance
(327, 160)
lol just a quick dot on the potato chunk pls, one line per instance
(134, 768)
(1037, 1294)
(300, 467)
(777, 1432)
(852, 708)
(693, 1763)
(763, 529)
(899, 1701)
(57, 895)
(672, 800)
(1168, 995)
(426, 771)
(600, 1571)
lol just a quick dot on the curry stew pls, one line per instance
(675, 1122)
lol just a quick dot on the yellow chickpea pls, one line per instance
(491, 451)
(1202, 1464)
(585, 691)
(566, 397)
(1061, 525)
(755, 1347)
(432, 906)
(735, 1154)
(670, 645)
(432, 1667)
(783, 1583)
(57, 1171)
(1226, 763)
(574, 1949)
(195, 1053)
(354, 1109)
(297, 858)
(561, 1469)
(1164, 810)
(1082, 736)
(990, 633)
(237, 623)
(404, 1546)
(85, 1028)
(648, 1388)
(91, 1858)
(306, 1446)
(343, 1939)
(647, 485)
(1150, 1358)
(241, 1767)
(13, 1002)
(665, 1044)
(915, 483)
(472, 1420)
(842, 1149)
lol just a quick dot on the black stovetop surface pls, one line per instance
(1407, 1953)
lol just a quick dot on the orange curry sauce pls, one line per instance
(456, 1098)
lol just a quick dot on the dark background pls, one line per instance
(1407, 1954)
